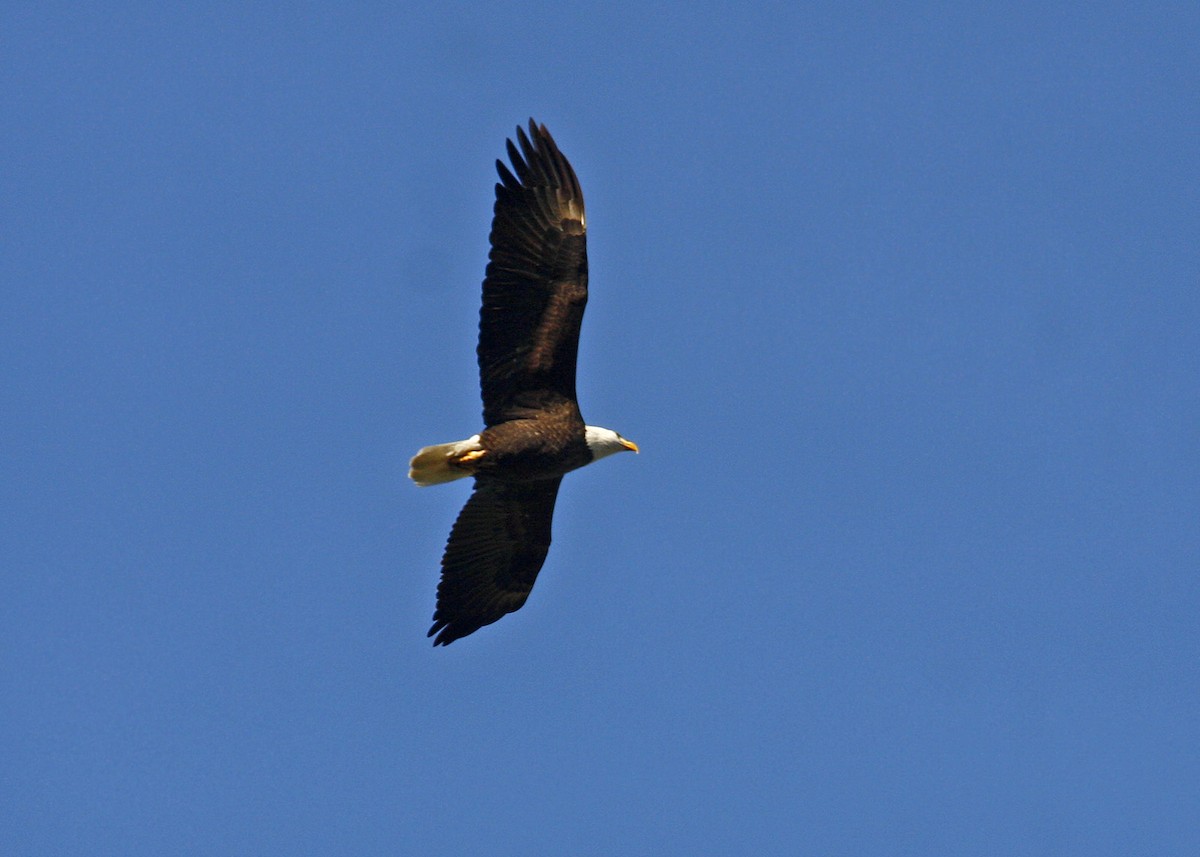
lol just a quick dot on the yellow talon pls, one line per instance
(473, 455)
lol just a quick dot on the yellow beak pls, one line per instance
(629, 444)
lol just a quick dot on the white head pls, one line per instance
(602, 442)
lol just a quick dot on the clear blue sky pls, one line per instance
(900, 301)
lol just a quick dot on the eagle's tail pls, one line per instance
(443, 463)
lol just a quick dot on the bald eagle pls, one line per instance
(534, 293)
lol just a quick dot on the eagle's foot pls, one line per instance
(470, 457)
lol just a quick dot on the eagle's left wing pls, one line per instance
(495, 551)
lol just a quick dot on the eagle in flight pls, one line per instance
(534, 294)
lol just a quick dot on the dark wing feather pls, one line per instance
(496, 549)
(535, 289)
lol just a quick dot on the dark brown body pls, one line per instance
(548, 444)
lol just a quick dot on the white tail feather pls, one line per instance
(436, 464)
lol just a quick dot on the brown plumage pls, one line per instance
(534, 294)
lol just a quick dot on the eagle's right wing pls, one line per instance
(535, 289)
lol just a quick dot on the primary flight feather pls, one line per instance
(534, 293)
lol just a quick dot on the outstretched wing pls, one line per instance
(535, 289)
(496, 549)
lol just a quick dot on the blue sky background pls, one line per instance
(900, 301)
